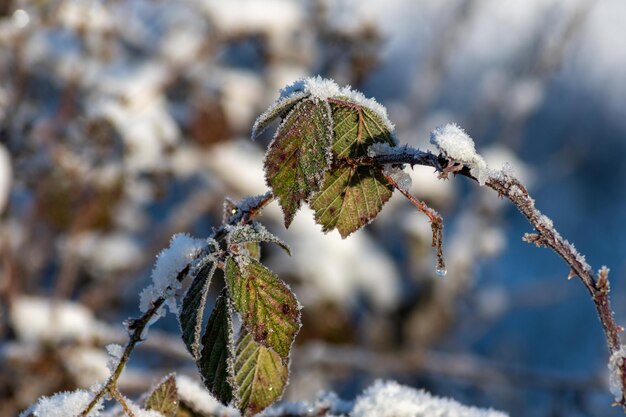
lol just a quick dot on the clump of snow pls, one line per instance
(200, 400)
(325, 88)
(390, 399)
(115, 352)
(63, 404)
(170, 262)
(616, 365)
(455, 144)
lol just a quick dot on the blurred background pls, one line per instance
(125, 121)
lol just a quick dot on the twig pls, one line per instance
(510, 187)
(244, 214)
(436, 222)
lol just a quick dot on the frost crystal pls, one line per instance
(115, 354)
(63, 404)
(454, 143)
(616, 363)
(170, 262)
(324, 88)
(390, 399)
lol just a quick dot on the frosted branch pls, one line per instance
(243, 213)
(507, 186)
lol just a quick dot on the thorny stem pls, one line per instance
(241, 215)
(510, 187)
(436, 222)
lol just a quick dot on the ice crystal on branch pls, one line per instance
(170, 262)
(616, 373)
(458, 146)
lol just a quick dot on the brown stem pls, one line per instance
(436, 222)
(245, 213)
(510, 187)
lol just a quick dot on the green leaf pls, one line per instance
(351, 196)
(299, 155)
(254, 232)
(260, 374)
(215, 362)
(192, 310)
(253, 250)
(164, 398)
(268, 308)
(279, 109)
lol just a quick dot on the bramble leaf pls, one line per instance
(164, 398)
(268, 308)
(351, 196)
(215, 362)
(192, 310)
(260, 374)
(255, 232)
(279, 109)
(299, 155)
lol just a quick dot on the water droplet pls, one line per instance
(441, 272)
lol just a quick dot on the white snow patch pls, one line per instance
(108, 252)
(63, 404)
(616, 364)
(183, 249)
(351, 268)
(39, 319)
(390, 399)
(200, 400)
(454, 143)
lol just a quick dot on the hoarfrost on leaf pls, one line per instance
(325, 88)
(390, 399)
(454, 143)
(170, 262)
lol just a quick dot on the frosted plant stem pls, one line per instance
(136, 327)
(115, 393)
(436, 222)
(546, 235)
